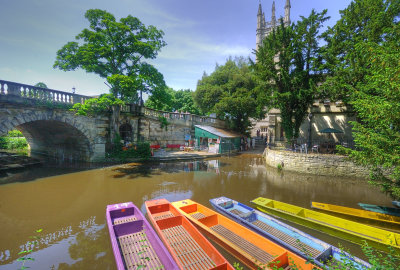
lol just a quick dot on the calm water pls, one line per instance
(70, 208)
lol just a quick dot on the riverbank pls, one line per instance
(12, 161)
(314, 163)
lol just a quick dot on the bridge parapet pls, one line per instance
(39, 93)
(172, 116)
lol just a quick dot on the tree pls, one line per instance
(361, 21)
(229, 92)
(288, 69)
(41, 84)
(116, 51)
(366, 76)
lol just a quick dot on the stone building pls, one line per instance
(323, 114)
(264, 28)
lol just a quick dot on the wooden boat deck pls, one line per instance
(190, 249)
(124, 220)
(259, 254)
(282, 236)
(189, 253)
(163, 215)
(138, 253)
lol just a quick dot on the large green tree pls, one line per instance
(229, 92)
(171, 100)
(288, 69)
(116, 51)
(362, 21)
(365, 73)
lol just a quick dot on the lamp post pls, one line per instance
(310, 116)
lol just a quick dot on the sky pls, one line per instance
(199, 34)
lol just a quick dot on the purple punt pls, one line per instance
(135, 244)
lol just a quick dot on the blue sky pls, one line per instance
(199, 34)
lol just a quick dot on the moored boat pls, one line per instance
(134, 242)
(381, 209)
(342, 228)
(375, 218)
(396, 203)
(189, 248)
(305, 245)
(249, 247)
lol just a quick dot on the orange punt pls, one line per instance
(189, 248)
(249, 247)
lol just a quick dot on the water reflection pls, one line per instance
(71, 207)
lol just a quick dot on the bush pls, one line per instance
(139, 150)
(14, 140)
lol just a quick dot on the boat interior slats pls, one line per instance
(138, 252)
(189, 253)
(124, 220)
(163, 215)
(259, 254)
(287, 238)
(198, 215)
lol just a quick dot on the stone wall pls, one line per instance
(319, 164)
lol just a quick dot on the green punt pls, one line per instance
(349, 230)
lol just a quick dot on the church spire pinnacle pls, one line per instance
(273, 18)
(287, 12)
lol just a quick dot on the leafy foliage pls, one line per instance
(229, 92)
(13, 140)
(362, 21)
(363, 53)
(139, 150)
(41, 84)
(115, 51)
(95, 106)
(170, 100)
(163, 122)
(288, 68)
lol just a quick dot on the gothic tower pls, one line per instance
(264, 28)
(287, 13)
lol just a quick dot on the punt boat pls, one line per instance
(305, 245)
(190, 249)
(134, 242)
(373, 218)
(349, 230)
(381, 209)
(249, 247)
(396, 203)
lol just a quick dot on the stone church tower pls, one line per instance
(264, 28)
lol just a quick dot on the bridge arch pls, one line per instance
(54, 133)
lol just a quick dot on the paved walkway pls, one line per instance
(162, 155)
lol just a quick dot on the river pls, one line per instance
(70, 207)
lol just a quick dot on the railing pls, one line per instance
(50, 95)
(39, 93)
(179, 116)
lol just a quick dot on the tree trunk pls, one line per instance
(114, 123)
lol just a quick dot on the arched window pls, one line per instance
(125, 131)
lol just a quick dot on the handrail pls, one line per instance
(39, 93)
(44, 94)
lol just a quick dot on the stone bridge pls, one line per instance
(43, 117)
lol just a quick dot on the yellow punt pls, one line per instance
(349, 230)
(378, 219)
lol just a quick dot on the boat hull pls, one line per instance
(341, 228)
(381, 209)
(358, 215)
(291, 238)
(187, 245)
(250, 248)
(135, 244)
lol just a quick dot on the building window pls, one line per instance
(264, 129)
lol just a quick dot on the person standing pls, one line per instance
(253, 143)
